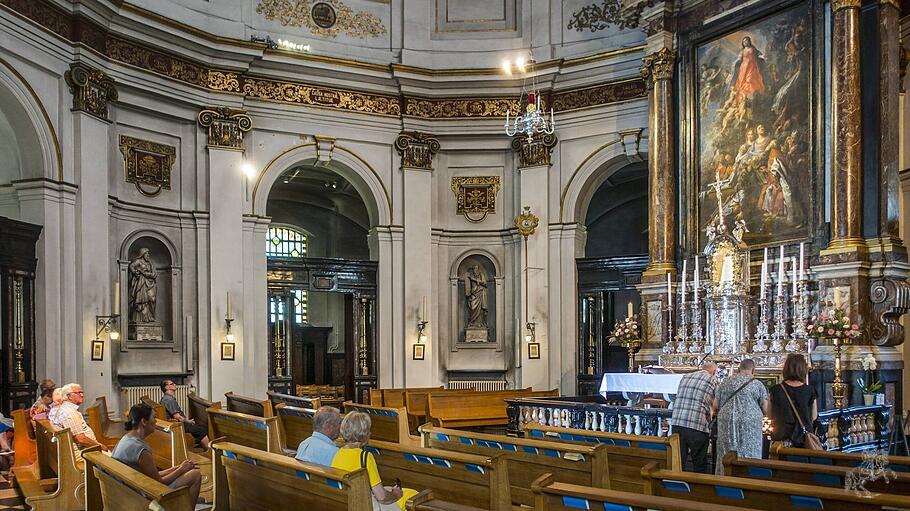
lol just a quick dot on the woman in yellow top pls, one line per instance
(355, 429)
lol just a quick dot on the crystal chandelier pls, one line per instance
(534, 120)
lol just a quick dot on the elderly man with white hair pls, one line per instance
(69, 416)
(692, 410)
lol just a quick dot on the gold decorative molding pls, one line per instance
(92, 89)
(147, 164)
(536, 152)
(290, 92)
(225, 126)
(526, 222)
(659, 65)
(603, 94)
(324, 18)
(416, 150)
(455, 108)
(475, 196)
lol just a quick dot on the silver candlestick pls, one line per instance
(802, 309)
(761, 331)
(696, 321)
(668, 308)
(780, 324)
(682, 330)
(793, 340)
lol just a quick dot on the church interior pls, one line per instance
(454, 255)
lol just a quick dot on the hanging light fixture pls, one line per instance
(534, 120)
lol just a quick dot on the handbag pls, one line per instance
(809, 439)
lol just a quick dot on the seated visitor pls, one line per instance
(320, 447)
(175, 413)
(69, 416)
(45, 399)
(803, 397)
(56, 401)
(355, 429)
(132, 450)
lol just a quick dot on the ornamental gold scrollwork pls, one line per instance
(603, 94)
(226, 126)
(475, 196)
(315, 96)
(659, 65)
(312, 15)
(456, 108)
(148, 164)
(92, 89)
(536, 152)
(526, 222)
(416, 150)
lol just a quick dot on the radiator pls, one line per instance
(480, 385)
(129, 396)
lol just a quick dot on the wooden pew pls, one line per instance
(395, 398)
(111, 485)
(239, 428)
(248, 405)
(300, 402)
(376, 397)
(415, 400)
(739, 491)
(107, 431)
(453, 477)
(158, 408)
(840, 459)
(808, 473)
(386, 424)
(171, 447)
(196, 409)
(553, 496)
(26, 450)
(251, 480)
(528, 459)
(628, 453)
(329, 395)
(476, 409)
(294, 426)
(51, 483)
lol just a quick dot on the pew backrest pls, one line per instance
(249, 430)
(111, 485)
(756, 494)
(23, 444)
(387, 424)
(477, 408)
(294, 424)
(300, 402)
(157, 408)
(56, 458)
(528, 459)
(375, 397)
(196, 409)
(249, 479)
(107, 431)
(415, 400)
(248, 405)
(395, 398)
(840, 459)
(628, 453)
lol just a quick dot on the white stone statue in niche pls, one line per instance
(475, 290)
(143, 288)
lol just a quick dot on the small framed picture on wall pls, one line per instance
(533, 350)
(97, 349)
(227, 351)
(419, 352)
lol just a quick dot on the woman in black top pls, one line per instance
(786, 426)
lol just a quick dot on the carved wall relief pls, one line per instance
(148, 164)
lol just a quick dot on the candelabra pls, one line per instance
(682, 328)
(697, 331)
(669, 310)
(802, 310)
(780, 324)
(838, 387)
(761, 331)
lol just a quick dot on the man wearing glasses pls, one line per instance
(70, 417)
(174, 413)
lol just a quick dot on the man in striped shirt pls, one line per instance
(692, 411)
(70, 417)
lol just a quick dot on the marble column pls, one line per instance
(889, 146)
(847, 161)
(658, 69)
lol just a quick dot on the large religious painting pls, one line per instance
(753, 128)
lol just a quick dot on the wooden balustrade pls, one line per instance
(588, 415)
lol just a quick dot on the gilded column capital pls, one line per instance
(892, 3)
(534, 152)
(659, 65)
(92, 89)
(416, 149)
(226, 126)
(837, 5)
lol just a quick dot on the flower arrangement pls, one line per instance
(626, 331)
(869, 385)
(833, 324)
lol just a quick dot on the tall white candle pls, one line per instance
(629, 310)
(682, 288)
(764, 277)
(695, 278)
(794, 276)
(669, 290)
(780, 273)
(115, 305)
(228, 304)
(802, 261)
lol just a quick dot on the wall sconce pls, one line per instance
(420, 347)
(531, 340)
(228, 320)
(108, 324)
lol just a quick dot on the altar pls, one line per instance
(634, 385)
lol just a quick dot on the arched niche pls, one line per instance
(165, 329)
(492, 274)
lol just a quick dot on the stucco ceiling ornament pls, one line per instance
(622, 14)
(326, 18)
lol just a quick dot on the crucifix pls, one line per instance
(717, 186)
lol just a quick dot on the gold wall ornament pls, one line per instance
(526, 222)
(289, 92)
(92, 89)
(659, 65)
(475, 196)
(416, 150)
(326, 18)
(603, 94)
(458, 108)
(226, 126)
(148, 164)
(534, 153)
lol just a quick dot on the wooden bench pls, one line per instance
(300, 402)
(107, 431)
(628, 453)
(158, 408)
(196, 409)
(415, 400)
(386, 424)
(453, 477)
(528, 459)
(242, 429)
(395, 398)
(808, 473)
(249, 479)
(739, 491)
(111, 485)
(248, 405)
(329, 395)
(51, 484)
(171, 447)
(294, 426)
(553, 496)
(840, 459)
(477, 408)
(23, 444)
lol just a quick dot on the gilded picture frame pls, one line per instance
(227, 350)
(97, 350)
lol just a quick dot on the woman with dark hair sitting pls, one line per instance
(134, 452)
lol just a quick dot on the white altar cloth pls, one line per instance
(642, 383)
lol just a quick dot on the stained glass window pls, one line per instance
(300, 306)
(283, 241)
